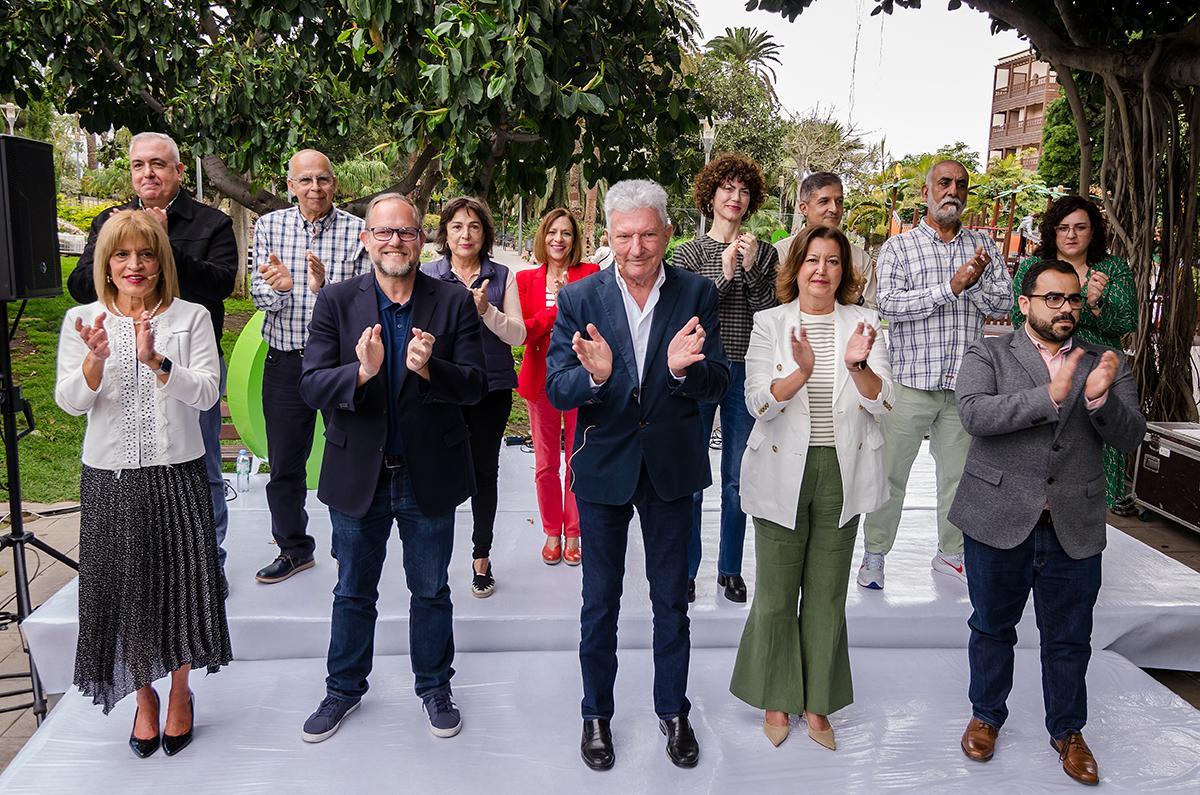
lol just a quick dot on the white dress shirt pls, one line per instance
(641, 317)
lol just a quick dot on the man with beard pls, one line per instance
(937, 283)
(1040, 406)
(392, 356)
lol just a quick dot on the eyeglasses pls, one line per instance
(1055, 300)
(1078, 229)
(324, 180)
(384, 233)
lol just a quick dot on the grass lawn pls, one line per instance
(50, 455)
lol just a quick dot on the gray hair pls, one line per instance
(817, 180)
(155, 136)
(630, 195)
(391, 197)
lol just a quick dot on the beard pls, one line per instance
(948, 211)
(1048, 330)
(397, 271)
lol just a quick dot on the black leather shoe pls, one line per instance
(596, 747)
(282, 568)
(681, 741)
(144, 748)
(735, 587)
(691, 591)
(173, 744)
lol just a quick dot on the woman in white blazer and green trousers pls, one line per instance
(817, 381)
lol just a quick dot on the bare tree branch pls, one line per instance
(406, 185)
(116, 64)
(1075, 29)
(235, 187)
(1071, 89)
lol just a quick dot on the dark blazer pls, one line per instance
(539, 319)
(431, 420)
(1025, 452)
(624, 425)
(205, 254)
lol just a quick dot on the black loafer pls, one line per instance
(173, 744)
(144, 748)
(691, 591)
(596, 747)
(282, 568)
(735, 587)
(681, 741)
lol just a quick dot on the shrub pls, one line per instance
(81, 215)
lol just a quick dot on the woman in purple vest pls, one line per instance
(464, 239)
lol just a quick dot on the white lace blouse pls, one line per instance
(133, 419)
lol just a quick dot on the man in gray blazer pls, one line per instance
(1039, 406)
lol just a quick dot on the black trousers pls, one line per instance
(486, 420)
(290, 426)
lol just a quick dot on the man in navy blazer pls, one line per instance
(636, 349)
(391, 358)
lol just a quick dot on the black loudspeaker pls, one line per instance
(29, 266)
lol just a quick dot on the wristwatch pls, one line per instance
(859, 365)
(164, 368)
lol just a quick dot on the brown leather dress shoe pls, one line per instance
(1077, 759)
(979, 740)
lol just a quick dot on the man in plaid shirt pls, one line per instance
(298, 251)
(937, 283)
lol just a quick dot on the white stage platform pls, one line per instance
(1148, 610)
(521, 734)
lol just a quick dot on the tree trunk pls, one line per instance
(90, 142)
(589, 220)
(241, 233)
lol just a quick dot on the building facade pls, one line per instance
(1023, 87)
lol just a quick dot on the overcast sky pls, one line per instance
(923, 77)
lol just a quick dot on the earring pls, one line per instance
(108, 278)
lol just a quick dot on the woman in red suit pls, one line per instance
(558, 246)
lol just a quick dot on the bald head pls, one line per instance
(311, 181)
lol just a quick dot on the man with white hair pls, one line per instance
(636, 349)
(937, 283)
(298, 251)
(205, 254)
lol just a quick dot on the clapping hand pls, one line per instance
(1094, 289)
(316, 272)
(1060, 383)
(1102, 376)
(594, 353)
(802, 352)
(369, 350)
(420, 348)
(480, 295)
(859, 347)
(969, 272)
(748, 248)
(95, 337)
(277, 277)
(686, 347)
(145, 341)
(160, 215)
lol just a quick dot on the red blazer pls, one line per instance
(539, 320)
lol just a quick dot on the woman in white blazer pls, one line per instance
(817, 380)
(142, 364)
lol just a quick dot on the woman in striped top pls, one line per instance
(807, 475)
(729, 190)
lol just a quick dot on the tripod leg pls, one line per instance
(37, 543)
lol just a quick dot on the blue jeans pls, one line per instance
(1064, 593)
(736, 424)
(665, 527)
(210, 430)
(360, 546)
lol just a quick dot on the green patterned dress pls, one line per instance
(1118, 317)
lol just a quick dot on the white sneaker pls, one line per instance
(870, 573)
(949, 564)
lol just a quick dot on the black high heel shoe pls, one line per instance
(174, 743)
(144, 748)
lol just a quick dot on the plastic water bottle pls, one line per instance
(243, 470)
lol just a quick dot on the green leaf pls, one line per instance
(590, 103)
(496, 86)
(473, 90)
(456, 63)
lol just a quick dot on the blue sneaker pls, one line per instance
(444, 717)
(324, 723)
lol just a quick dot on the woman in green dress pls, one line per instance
(1073, 231)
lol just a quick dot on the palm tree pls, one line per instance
(750, 46)
(689, 20)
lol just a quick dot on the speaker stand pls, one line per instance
(11, 403)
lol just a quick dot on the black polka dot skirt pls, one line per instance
(149, 583)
